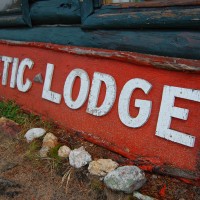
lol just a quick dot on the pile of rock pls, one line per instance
(126, 179)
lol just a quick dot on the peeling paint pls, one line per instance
(168, 63)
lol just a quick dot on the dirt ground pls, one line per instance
(25, 176)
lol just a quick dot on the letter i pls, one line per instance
(14, 73)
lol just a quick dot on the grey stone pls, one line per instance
(125, 179)
(142, 197)
(79, 157)
(38, 78)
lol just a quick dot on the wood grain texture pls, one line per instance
(158, 4)
(167, 63)
(180, 44)
(55, 12)
(166, 17)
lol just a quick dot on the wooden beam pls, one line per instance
(87, 8)
(14, 13)
(12, 21)
(121, 18)
(158, 4)
(55, 12)
(8, 7)
(167, 63)
(181, 44)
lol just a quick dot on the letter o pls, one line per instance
(84, 88)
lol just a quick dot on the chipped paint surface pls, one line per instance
(168, 63)
(120, 109)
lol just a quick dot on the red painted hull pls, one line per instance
(139, 144)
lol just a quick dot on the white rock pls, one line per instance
(50, 140)
(154, 176)
(125, 179)
(34, 133)
(142, 197)
(64, 151)
(79, 157)
(102, 166)
(44, 151)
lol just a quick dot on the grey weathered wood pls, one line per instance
(175, 172)
(9, 6)
(182, 44)
(55, 12)
(14, 13)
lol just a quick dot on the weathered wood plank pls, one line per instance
(14, 13)
(171, 17)
(160, 62)
(98, 3)
(55, 12)
(157, 4)
(10, 6)
(12, 20)
(87, 8)
(183, 44)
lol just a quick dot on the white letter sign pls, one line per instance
(168, 110)
(47, 93)
(94, 94)
(20, 75)
(14, 72)
(124, 103)
(7, 61)
(84, 88)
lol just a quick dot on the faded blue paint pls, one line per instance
(183, 44)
